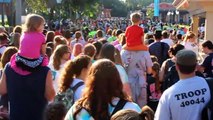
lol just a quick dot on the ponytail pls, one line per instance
(67, 77)
(72, 69)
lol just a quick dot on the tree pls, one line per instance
(119, 8)
(150, 13)
(67, 9)
(40, 6)
(70, 8)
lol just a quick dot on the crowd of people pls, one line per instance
(106, 70)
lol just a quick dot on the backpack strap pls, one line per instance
(119, 106)
(169, 63)
(75, 87)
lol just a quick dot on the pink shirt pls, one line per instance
(116, 42)
(30, 44)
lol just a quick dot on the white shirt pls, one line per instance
(122, 73)
(168, 41)
(55, 75)
(202, 29)
(191, 46)
(184, 100)
(2, 49)
(78, 92)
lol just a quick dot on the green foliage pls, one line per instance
(87, 8)
(67, 9)
(91, 10)
(150, 13)
(38, 6)
(119, 8)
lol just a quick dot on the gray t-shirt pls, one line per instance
(136, 64)
(184, 100)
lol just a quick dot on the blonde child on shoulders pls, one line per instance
(32, 51)
(135, 35)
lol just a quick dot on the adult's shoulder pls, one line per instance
(153, 44)
(45, 69)
(165, 44)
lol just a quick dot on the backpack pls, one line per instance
(67, 97)
(170, 78)
(121, 103)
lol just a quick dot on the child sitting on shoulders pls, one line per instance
(135, 35)
(32, 51)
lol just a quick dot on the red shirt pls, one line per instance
(57, 33)
(134, 35)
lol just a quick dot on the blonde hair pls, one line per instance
(58, 54)
(33, 22)
(59, 40)
(189, 35)
(135, 17)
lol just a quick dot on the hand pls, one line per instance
(4, 113)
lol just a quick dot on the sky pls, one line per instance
(123, 0)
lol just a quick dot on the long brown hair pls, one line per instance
(72, 69)
(103, 84)
(156, 69)
(108, 52)
(58, 54)
(50, 36)
(15, 40)
(8, 53)
(58, 40)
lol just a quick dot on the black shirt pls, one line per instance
(208, 65)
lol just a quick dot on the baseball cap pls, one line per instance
(186, 58)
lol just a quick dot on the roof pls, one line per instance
(181, 4)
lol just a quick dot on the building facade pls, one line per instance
(198, 9)
(168, 13)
